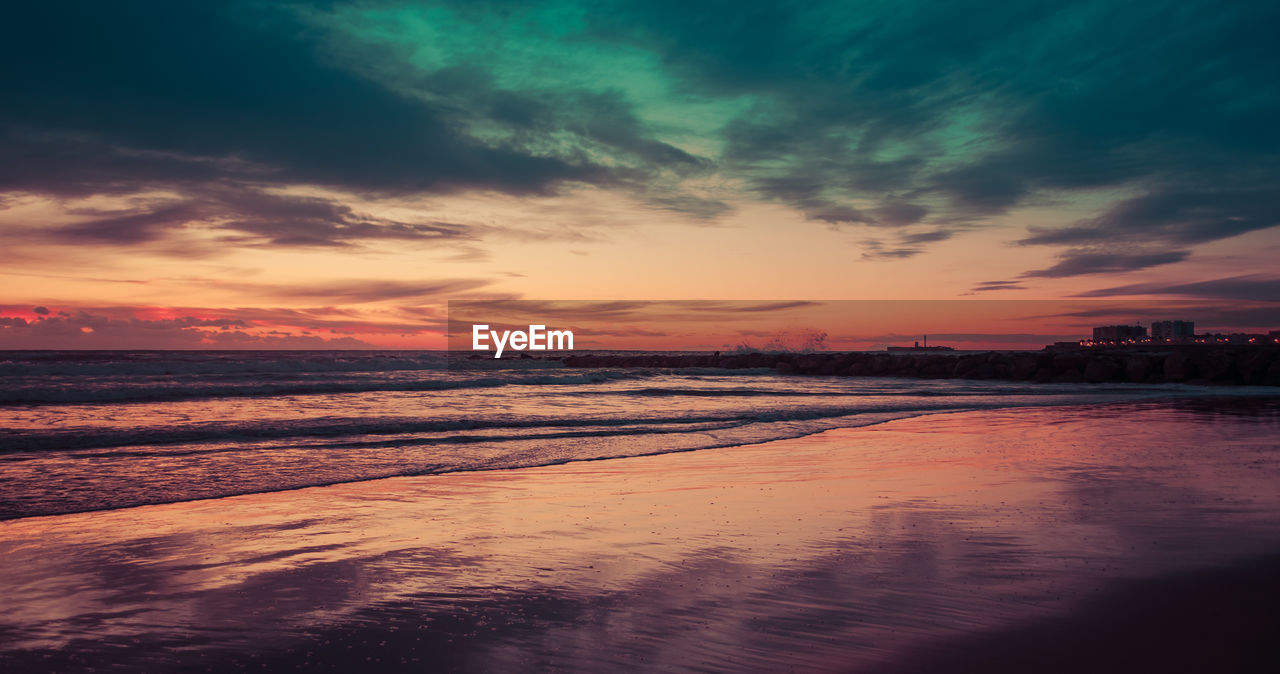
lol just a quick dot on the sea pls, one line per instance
(100, 430)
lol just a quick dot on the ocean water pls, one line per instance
(83, 431)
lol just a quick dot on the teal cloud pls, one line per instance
(922, 119)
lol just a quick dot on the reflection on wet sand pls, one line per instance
(849, 548)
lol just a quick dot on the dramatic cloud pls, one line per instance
(281, 140)
(1081, 262)
(112, 94)
(989, 286)
(212, 102)
(360, 291)
(971, 109)
(251, 216)
(991, 104)
(1251, 287)
(1175, 216)
(906, 244)
(873, 250)
(84, 330)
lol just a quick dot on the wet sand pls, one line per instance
(1045, 539)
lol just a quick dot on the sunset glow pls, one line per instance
(712, 336)
(240, 175)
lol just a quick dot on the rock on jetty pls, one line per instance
(1226, 365)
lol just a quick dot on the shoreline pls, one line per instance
(850, 548)
(1230, 401)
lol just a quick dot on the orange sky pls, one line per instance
(394, 296)
(316, 177)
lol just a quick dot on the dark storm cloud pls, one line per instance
(900, 114)
(250, 217)
(905, 244)
(820, 209)
(1082, 262)
(143, 225)
(990, 286)
(875, 250)
(1176, 216)
(594, 120)
(1250, 287)
(841, 86)
(902, 213)
(154, 86)
(927, 237)
(692, 205)
(213, 101)
(980, 107)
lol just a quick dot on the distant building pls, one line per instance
(1119, 334)
(1167, 332)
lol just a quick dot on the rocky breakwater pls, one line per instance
(1248, 366)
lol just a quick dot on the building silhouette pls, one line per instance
(1173, 331)
(1119, 334)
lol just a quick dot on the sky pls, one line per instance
(251, 174)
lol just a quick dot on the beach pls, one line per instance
(634, 336)
(957, 537)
